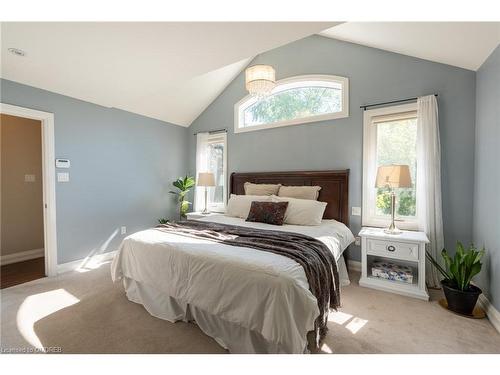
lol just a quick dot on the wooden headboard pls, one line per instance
(334, 187)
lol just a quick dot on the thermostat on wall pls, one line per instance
(63, 163)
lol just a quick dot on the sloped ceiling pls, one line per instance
(172, 71)
(463, 44)
(168, 71)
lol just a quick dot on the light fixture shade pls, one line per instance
(260, 80)
(206, 179)
(393, 176)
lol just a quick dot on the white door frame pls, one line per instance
(48, 177)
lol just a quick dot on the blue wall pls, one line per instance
(486, 226)
(374, 76)
(122, 165)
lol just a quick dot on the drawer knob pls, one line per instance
(391, 248)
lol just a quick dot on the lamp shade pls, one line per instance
(206, 179)
(394, 176)
(260, 79)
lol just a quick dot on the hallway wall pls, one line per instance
(21, 200)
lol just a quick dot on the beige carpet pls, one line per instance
(86, 313)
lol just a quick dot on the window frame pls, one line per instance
(288, 83)
(220, 137)
(368, 217)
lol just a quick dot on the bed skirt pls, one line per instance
(229, 335)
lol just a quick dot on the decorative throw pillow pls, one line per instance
(268, 212)
(261, 189)
(300, 192)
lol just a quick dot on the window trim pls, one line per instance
(217, 138)
(281, 85)
(369, 166)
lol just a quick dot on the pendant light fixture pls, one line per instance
(260, 80)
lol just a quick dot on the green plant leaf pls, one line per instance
(460, 249)
(183, 184)
(188, 182)
(178, 184)
(437, 265)
(447, 259)
(465, 264)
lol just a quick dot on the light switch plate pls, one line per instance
(29, 178)
(62, 177)
(356, 211)
(123, 230)
(63, 163)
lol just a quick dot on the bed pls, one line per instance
(248, 300)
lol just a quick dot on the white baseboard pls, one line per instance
(491, 312)
(21, 256)
(354, 265)
(89, 262)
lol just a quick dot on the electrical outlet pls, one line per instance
(356, 211)
(357, 241)
(62, 177)
(29, 178)
(123, 230)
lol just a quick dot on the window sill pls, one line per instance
(330, 116)
(405, 225)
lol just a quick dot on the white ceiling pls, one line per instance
(463, 44)
(168, 71)
(173, 71)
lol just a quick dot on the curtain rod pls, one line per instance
(213, 131)
(391, 102)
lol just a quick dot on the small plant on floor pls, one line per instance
(162, 221)
(183, 185)
(459, 270)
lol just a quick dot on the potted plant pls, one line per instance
(183, 185)
(460, 294)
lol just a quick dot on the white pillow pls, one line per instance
(302, 211)
(300, 192)
(239, 205)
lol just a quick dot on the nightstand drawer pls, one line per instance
(392, 249)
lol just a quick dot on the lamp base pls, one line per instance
(205, 210)
(392, 228)
(393, 231)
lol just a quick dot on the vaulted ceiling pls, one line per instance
(173, 71)
(463, 44)
(166, 70)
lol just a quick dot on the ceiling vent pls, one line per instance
(17, 52)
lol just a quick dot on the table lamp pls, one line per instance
(393, 176)
(206, 180)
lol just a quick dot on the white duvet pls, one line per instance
(258, 290)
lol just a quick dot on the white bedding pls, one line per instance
(260, 291)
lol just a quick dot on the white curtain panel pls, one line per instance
(201, 166)
(429, 181)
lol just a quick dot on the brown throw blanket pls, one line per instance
(313, 255)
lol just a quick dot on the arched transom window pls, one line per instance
(295, 100)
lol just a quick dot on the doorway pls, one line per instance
(27, 195)
(21, 203)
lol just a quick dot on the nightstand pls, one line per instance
(199, 215)
(405, 250)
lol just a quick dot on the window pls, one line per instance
(390, 137)
(294, 101)
(211, 157)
